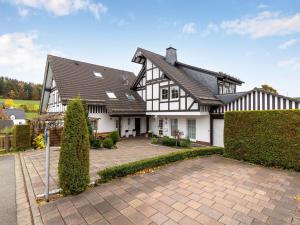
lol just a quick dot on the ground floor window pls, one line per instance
(191, 129)
(174, 127)
(94, 125)
(160, 126)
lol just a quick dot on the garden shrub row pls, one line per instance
(172, 142)
(133, 167)
(21, 137)
(270, 138)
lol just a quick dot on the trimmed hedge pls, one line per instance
(270, 138)
(21, 137)
(114, 136)
(133, 167)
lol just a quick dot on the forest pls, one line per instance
(15, 89)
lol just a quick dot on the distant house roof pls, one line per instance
(18, 113)
(185, 78)
(75, 78)
(6, 123)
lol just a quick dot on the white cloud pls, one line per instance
(262, 6)
(293, 63)
(264, 24)
(288, 44)
(23, 12)
(64, 7)
(211, 28)
(189, 28)
(21, 56)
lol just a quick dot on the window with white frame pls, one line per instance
(174, 92)
(174, 127)
(191, 128)
(111, 95)
(164, 93)
(128, 122)
(160, 126)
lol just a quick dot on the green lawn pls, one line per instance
(17, 103)
(31, 115)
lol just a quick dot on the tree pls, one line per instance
(88, 122)
(269, 88)
(11, 94)
(9, 103)
(73, 166)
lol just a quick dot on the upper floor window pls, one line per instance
(111, 95)
(226, 88)
(174, 92)
(164, 94)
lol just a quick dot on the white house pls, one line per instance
(15, 115)
(164, 97)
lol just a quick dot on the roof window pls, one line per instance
(130, 97)
(98, 74)
(111, 95)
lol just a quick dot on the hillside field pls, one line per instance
(33, 103)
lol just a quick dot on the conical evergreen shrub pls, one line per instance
(73, 167)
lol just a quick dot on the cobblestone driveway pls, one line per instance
(211, 190)
(128, 150)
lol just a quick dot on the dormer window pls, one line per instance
(111, 95)
(98, 74)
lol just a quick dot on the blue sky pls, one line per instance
(256, 41)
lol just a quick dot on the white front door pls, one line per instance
(218, 132)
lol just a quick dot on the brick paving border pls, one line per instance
(32, 205)
(24, 216)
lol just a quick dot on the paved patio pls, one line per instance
(210, 190)
(128, 150)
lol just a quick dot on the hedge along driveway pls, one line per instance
(133, 167)
(270, 138)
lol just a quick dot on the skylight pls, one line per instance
(98, 74)
(130, 97)
(111, 95)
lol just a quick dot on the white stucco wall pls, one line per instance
(125, 126)
(19, 121)
(105, 122)
(202, 126)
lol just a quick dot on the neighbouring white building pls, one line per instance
(164, 97)
(15, 115)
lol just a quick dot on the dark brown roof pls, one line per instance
(75, 78)
(199, 91)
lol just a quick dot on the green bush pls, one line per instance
(270, 138)
(96, 143)
(73, 166)
(114, 136)
(21, 137)
(155, 141)
(185, 143)
(108, 143)
(168, 141)
(133, 167)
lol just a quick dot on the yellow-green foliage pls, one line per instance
(73, 167)
(270, 138)
(39, 141)
(21, 137)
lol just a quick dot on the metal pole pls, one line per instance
(47, 165)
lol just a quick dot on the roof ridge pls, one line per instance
(93, 64)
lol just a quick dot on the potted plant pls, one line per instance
(127, 133)
(133, 133)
